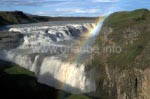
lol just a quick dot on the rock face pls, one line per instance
(123, 61)
(9, 40)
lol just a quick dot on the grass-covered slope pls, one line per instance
(125, 18)
(124, 56)
(130, 31)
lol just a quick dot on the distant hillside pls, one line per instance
(123, 61)
(18, 17)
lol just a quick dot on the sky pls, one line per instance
(72, 7)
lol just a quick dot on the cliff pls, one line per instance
(122, 60)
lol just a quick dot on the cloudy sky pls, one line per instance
(72, 7)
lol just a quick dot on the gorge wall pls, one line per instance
(123, 73)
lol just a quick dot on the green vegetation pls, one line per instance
(130, 31)
(16, 70)
(125, 18)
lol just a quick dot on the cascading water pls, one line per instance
(53, 68)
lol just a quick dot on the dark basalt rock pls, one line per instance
(10, 40)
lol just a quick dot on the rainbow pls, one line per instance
(84, 41)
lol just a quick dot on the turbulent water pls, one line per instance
(47, 50)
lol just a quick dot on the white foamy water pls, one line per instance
(53, 69)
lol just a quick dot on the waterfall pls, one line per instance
(53, 69)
